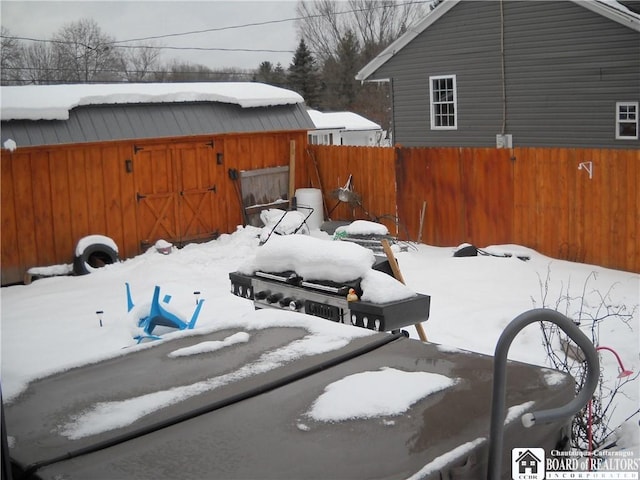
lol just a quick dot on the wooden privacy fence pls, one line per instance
(574, 204)
(180, 189)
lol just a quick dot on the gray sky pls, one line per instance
(141, 18)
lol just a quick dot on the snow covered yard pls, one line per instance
(52, 325)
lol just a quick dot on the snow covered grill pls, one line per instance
(328, 300)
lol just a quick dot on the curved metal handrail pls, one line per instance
(496, 434)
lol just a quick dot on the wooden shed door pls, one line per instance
(156, 194)
(198, 177)
(177, 192)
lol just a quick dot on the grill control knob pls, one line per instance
(262, 294)
(274, 297)
(295, 305)
(285, 301)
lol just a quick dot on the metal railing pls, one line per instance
(496, 434)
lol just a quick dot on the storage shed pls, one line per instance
(134, 162)
(344, 128)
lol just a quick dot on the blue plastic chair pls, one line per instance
(159, 316)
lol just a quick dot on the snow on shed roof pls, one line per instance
(341, 120)
(54, 102)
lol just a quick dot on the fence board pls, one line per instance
(129, 246)
(524, 212)
(111, 165)
(43, 217)
(632, 218)
(414, 180)
(76, 172)
(60, 205)
(445, 180)
(23, 213)
(487, 185)
(9, 255)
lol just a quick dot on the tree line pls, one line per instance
(336, 39)
(80, 52)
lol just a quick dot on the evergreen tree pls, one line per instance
(348, 63)
(280, 76)
(267, 73)
(304, 77)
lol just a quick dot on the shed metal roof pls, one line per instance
(116, 118)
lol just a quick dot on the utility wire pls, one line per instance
(215, 29)
(155, 47)
(208, 30)
(207, 48)
(267, 22)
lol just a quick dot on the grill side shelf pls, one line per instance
(392, 315)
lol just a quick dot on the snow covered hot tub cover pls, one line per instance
(276, 395)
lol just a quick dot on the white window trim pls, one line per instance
(455, 103)
(618, 122)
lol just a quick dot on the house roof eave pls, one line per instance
(613, 11)
(605, 8)
(405, 39)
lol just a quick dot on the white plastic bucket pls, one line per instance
(310, 198)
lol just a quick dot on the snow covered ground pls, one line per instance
(52, 325)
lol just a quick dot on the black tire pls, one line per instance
(467, 251)
(94, 256)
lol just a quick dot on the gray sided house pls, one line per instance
(516, 73)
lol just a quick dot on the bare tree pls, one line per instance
(10, 57)
(84, 53)
(180, 71)
(344, 36)
(138, 64)
(375, 23)
(321, 26)
(40, 65)
(592, 310)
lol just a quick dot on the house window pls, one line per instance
(443, 99)
(627, 120)
(321, 139)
